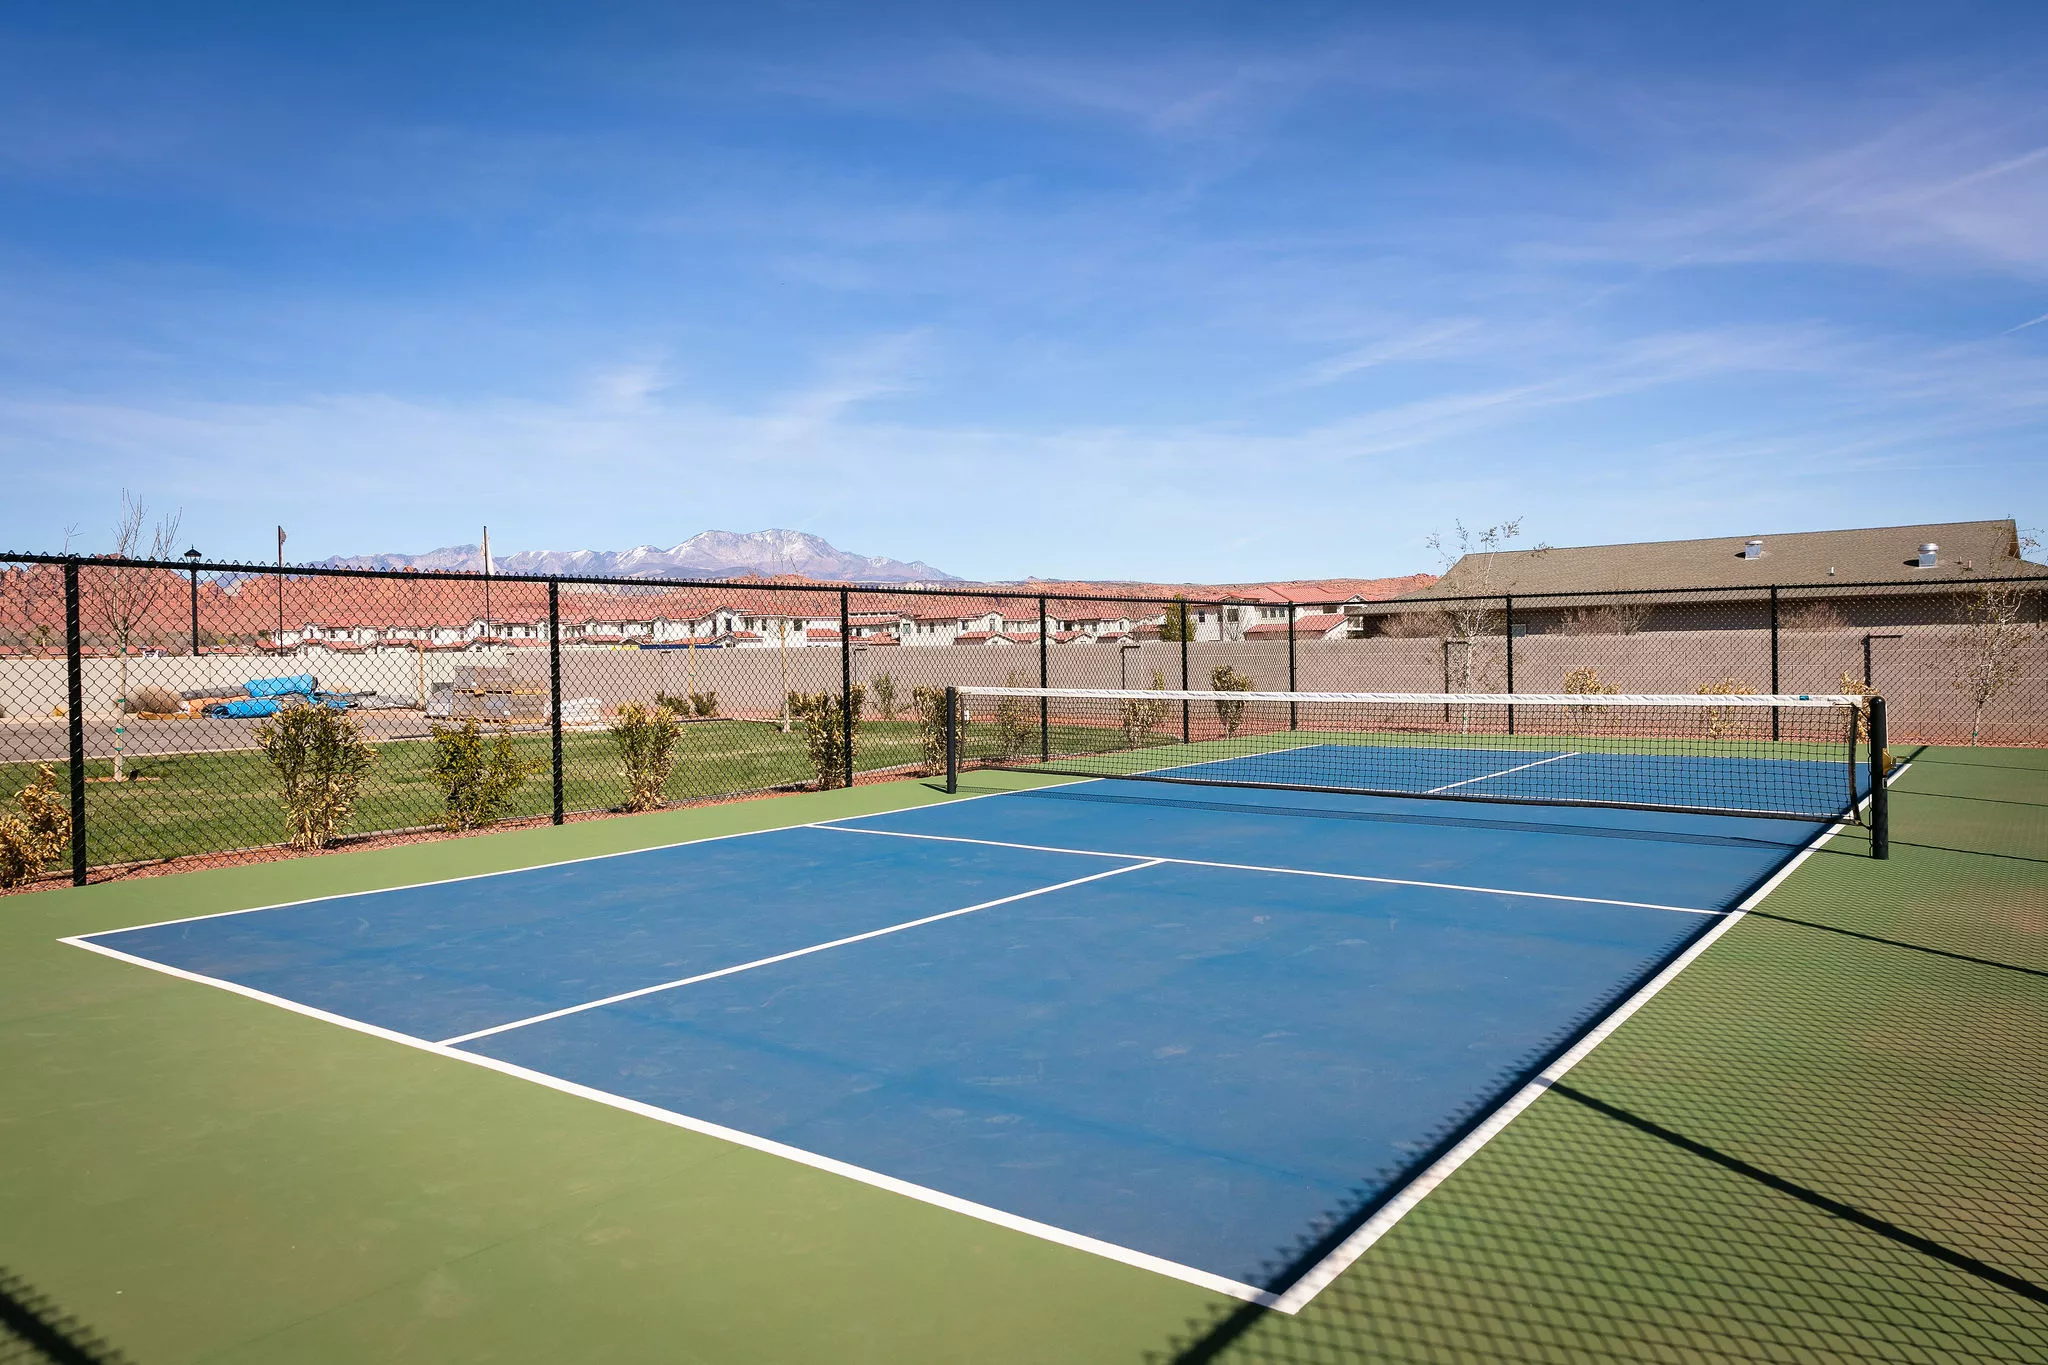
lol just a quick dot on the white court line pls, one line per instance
(1318, 1276)
(1159, 1265)
(1287, 871)
(561, 862)
(1519, 767)
(784, 957)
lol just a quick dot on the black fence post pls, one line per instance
(195, 613)
(1880, 794)
(1044, 722)
(1774, 658)
(555, 685)
(74, 710)
(1509, 599)
(1185, 619)
(1293, 709)
(952, 739)
(846, 684)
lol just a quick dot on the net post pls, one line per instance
(1293, 710)
(846, 684)
(1774, 658)
(555, 686)
(74, 701)
(1182, 625)
(1880, 794)
(952, 739)
(1044, 723)
(1509, 624)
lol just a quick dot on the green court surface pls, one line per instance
(1827, 1140)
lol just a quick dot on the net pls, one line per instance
(1782, 757)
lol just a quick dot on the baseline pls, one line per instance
(1140, 1260)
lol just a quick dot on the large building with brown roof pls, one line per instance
(1924, 570)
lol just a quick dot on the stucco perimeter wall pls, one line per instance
(31, 687)
(1918, 672)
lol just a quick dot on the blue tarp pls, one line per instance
(246, 709)
(304, 683)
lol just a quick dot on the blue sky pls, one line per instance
(1174, 290)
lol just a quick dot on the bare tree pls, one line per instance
(1477, 555)
(1615, 618)
(121, 598)
(1986, 656)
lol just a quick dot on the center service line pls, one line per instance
(784, 957)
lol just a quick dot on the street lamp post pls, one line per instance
(192, 568)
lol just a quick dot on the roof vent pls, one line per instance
(1929, 555)
(1752, 549)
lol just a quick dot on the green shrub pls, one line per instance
(321, 759)
(882, 688)
(647, 738)
(930, 705)
(1722, 720)
(1013, 726)
(477, 779)
(1224, 678)
(29, 841)
(704, 703)
(1143, 716)
(824, 720)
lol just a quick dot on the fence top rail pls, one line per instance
(1714, 701)
(1021, 594)
(999, 591)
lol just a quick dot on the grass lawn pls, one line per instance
(214, 802)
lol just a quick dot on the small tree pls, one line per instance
(825, 722)
(647, 738)
(1475, 558)
(477, 780)
(1179, 623)
(41, 831)
(120, 598)
(320, 758)
(1987, 655)
(930, 705)
(1224, 678)
(882, 688)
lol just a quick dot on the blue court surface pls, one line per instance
(1191, 1028)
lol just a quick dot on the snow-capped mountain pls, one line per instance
(708, 554)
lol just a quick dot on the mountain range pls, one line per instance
(708, 554)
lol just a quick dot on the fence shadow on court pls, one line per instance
(34, 1331)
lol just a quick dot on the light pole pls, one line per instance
(192, 567)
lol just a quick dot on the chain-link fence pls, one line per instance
(157, 711)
